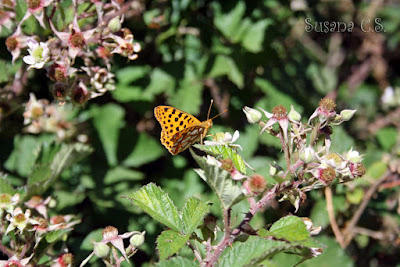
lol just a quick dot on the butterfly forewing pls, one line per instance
(180, 130)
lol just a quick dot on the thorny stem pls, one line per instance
(230, 235)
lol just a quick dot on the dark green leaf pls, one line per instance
(146, 150)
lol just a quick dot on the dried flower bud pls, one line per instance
(227, 165)
(80, 95)
(280, 112)
(347, 114)
(253, 115)
(11, 43)
(115, 24)
(328, 175)
(60, 91)
(57, 73)
(357, 170)
(137, 240)
(257, 183)
(101, 250)
(327, 104)
(77, 40)
(294, 115)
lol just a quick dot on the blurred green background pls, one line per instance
(239, 53)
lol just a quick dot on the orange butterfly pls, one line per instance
(180, 130)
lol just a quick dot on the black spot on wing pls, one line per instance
(176, 119)
(180, 114)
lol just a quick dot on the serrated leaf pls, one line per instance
(146, 150)
(108, 120)
(177, 262)
(225, 152)
(55, 235)
(290, 228)
(224, 65)
(254, 250)
(220, 182)
(170, 242)
(193, 213)
(156, 203)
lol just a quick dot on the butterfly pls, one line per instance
(179, 129)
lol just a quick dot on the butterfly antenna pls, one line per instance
(219, 114)
(209, 109)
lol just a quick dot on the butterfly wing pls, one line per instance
(173, 120)
(183, 139)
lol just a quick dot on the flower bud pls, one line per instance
(253, 115)
(257, 183)
(347, 114)
(137, 240)
(294, 115)
(115, 24)
(101, 250)
(353, 156)
(307, 155)
(60, 90)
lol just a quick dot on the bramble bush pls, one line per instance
(303, 168)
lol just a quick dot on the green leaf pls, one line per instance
(229, 23)
(94, 235)
(224, 65)
(220, 182)
(146, 150)
(132, 73)
(387, 137)
(55, 235)
(119, 174)
(5, 186)
(177, 262)
(254, 250)
(290, 228)
(24, 154)
(323, 78)
(254, 36)
(225, 152)
(377, 170)
(155, 202)
(52, 161)
(170, 242)
(108, 120)
(193, 213)
(160, 82)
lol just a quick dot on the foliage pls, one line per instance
(79, 141)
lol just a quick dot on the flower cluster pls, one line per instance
(28, 224)
(42, 117)
(310, 163)
(93, 35)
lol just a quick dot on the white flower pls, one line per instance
(353, 156)
(39, 54)
(224, 139)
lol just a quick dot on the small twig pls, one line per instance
(331, 214)
(371, 233)
(196, 253)
(349, 230)
(215, 93)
